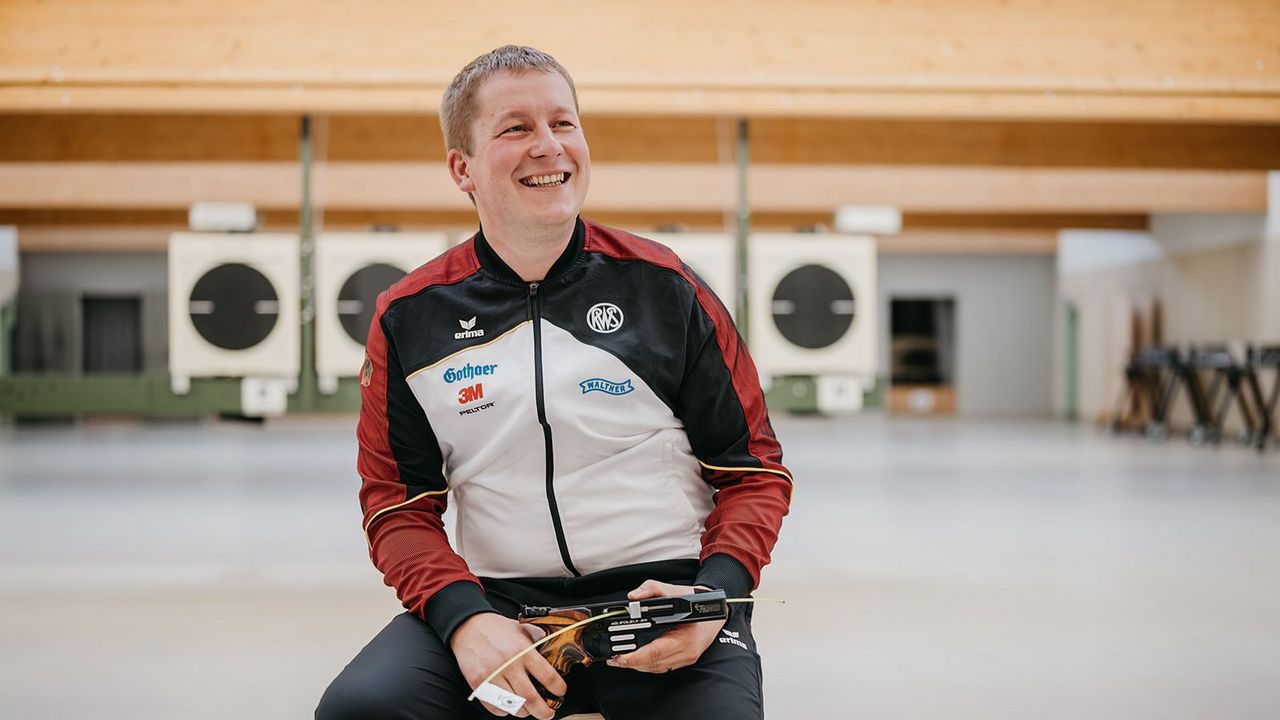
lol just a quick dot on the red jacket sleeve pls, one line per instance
(722, 407)
(403, 493)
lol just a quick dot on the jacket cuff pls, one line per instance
(452, 604)
(721, 572)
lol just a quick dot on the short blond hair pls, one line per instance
(458, 106)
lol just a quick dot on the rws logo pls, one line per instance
(468, 372)
(606, 386)
(604, 318)
(468, 330)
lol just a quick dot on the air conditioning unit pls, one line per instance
(352, 269)
(233, 306)
(9, 275)
(812, 301)
(712, 256)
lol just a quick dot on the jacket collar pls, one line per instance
(496, 266)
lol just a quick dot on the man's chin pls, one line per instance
(556, 215)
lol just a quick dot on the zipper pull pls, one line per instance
(533, 289)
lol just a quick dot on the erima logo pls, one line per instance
(468, 371)
(604, 318)
(606, 386)
(732, 639)
(468, 330)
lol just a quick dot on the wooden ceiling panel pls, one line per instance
(148, 138)
(1025, 144)
(416, 138)
(1139, 59)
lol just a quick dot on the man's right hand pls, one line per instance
(486, 640)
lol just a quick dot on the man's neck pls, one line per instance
(530, 253)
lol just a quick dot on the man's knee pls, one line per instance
(354, 697)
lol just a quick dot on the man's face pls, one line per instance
(530, 166)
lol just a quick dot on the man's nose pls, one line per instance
(545, 143)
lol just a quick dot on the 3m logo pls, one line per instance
(471, 394)
(604, 318)
(468, 330)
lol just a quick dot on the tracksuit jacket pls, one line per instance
(608, 415)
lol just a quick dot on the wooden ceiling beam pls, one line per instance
(1050, 105)
(644, 187)
(416, 138)
(1085, 59)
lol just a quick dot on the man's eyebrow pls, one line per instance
(521, 114)
(509, 115)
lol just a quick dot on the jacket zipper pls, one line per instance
(535, 313)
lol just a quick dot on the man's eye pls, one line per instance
(565, 123)
(515, 128)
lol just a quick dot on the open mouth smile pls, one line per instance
(552, 180)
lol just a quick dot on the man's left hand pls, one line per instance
(678, 647)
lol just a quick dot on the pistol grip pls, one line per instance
(563, 652)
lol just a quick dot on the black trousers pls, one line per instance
(407, 672)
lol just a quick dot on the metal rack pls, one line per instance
(1214, 381)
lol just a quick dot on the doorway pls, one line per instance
(922, 357)
(111, 338)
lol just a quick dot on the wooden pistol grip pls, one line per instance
(564, 651)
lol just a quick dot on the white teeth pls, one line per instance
(543, 180)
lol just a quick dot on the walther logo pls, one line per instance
(468, 330)
(604, 317)
(468, 372)
(606, 386)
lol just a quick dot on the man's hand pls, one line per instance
(678, 647)
(484, 641)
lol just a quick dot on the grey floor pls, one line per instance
(932, 569)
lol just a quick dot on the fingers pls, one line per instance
(519, 678)
(649, 589)
(653, 588)
(542, 671)
(679, 647)
(534, 632)
(494, 697)
(663, 655)
(533, 703)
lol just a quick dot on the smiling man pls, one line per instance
(597, 423)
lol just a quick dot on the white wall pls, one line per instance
(1214, 277)
(49, 304)
(1004, 315)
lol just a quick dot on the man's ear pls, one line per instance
(460, 170)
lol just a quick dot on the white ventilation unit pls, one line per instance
(9, 276)
(352, 269)
(812, 301)
(712, 257)
(233, 306)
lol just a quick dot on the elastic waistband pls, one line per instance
(599, 586)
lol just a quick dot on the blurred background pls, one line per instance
(1010, 271)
